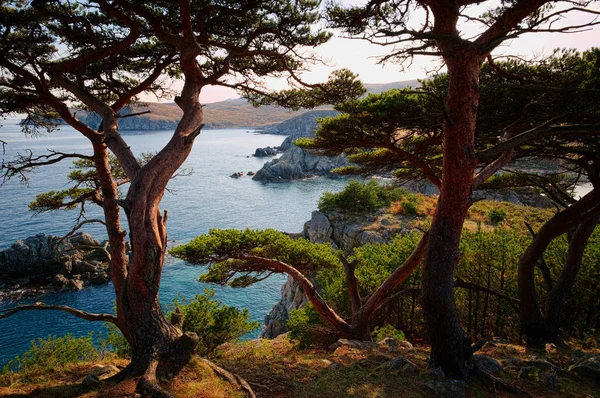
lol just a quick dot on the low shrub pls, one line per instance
(214, 322)
(361, 197)
(54, 353)
(387, 330)
(496, 216)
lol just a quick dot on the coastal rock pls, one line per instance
(265, 152)
(341, 231)
(292, 298)
(44, 263)
(237, 174)
(296, 164)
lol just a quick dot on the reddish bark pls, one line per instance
(582, 217)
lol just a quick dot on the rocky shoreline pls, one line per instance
(43, 264)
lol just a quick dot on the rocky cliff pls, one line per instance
(44, 263)
(342, 231)
(296, 164)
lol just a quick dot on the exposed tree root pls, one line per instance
(148, 385)
(232, 378)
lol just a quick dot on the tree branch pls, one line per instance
(75, 312)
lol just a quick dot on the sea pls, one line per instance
(203, 197)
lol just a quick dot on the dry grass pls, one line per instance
(278, 368)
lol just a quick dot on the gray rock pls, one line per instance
(53, 264)
(319, 229)
(447, 388)
(389, 343)
(265, 152)
(354, 344)
(403, 365)
(541, 364)
(295, 164)
(237, 174)
(486, 364)
(585, 365)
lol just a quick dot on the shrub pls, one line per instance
(306, 326)
(359, 197)
(214, 322)
(496, 216)
(387, 330)
(115, 342)
(54, 353)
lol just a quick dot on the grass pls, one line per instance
(279, 368)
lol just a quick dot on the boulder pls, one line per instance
(585, 365)
(354, 344)
(237, 174)
(486, 364)
(403, 365)
(390, 344)
(265, 152)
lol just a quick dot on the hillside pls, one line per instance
(236, 113)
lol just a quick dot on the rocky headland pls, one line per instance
(343, 231)
(44, 264)
(295, 163)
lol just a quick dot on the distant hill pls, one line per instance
(376, 88)
(235, 113)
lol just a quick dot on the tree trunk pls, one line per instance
(584, 213)
(450, 348)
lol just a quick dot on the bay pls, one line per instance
(208, 198)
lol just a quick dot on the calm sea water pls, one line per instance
(208, 198)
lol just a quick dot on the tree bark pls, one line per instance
(450, 348)
(582, 216)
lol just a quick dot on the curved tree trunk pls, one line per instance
(582, 216)
(450, 348)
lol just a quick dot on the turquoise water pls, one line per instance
(208, 198)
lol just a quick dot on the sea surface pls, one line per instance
(208, 198)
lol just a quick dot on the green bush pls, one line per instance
(115, 342)
(387, 330)
(306, 325)
(54, 353)
(214, 323)
(359, 197)
(496, 216)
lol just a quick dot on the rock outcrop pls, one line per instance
(296, 164)
(43, 263)
(342, 231)
(266, 152)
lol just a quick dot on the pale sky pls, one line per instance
(361, 57)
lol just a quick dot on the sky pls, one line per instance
(361, 57)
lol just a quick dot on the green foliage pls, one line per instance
(361, 197)
(54, 353)
(224, 252)
(386, 330)
(496, 216)
(214, 322)
(302, 323)
(115, 342)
